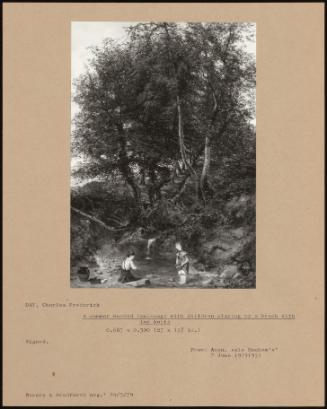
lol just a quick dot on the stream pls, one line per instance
(158, 268)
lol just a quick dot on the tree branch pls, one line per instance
(96, 220)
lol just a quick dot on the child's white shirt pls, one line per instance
(128, 264)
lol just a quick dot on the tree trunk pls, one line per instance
(181, 143)
(182, 149)
(206, 164)
(127, 172)
(142, 177)
(135, 188)
(207, 148)
(152, 186)
(181, 133)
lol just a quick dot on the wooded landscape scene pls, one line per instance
(164, 144)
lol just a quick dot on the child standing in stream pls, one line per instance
(182, 263)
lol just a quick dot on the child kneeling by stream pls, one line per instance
(127, 268)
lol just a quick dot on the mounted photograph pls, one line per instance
(163, 155)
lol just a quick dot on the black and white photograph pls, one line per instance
(163, 155)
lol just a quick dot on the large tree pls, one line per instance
(160, 105)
